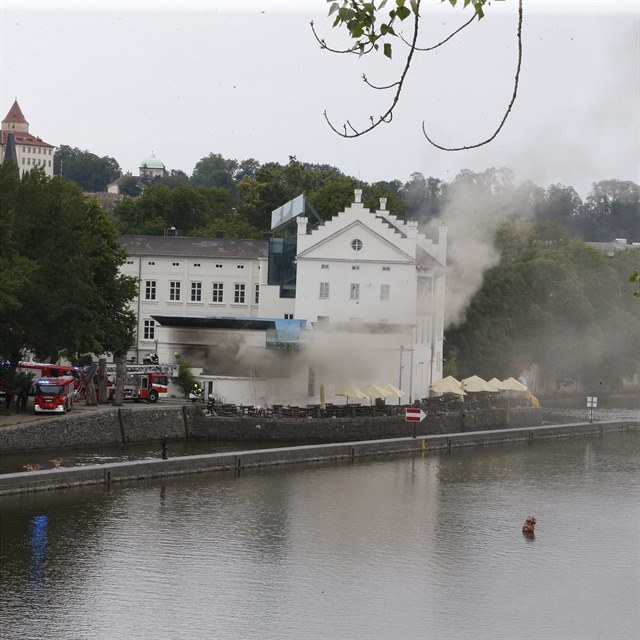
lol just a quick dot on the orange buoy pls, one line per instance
(529, 525)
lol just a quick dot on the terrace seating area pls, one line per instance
(439, 405)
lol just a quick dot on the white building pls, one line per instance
(365, 304)
(372, 289)
(190, 278)
(152, 168)
(30, 150)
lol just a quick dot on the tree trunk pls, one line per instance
(90, 386)
(121, 374)
(103, 392)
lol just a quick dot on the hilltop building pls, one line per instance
(24, 148)
(150, 169)
(358, 299)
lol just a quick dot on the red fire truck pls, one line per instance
(146, 382)
(39, 370)
(54, 395)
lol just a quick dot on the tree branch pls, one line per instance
(388, 115)
(508, 111)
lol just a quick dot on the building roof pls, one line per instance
(15, 115)
(152, 163)
(219, 322)
(188, 247)
(26, 138)
(121, 179)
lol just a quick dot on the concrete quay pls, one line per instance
(108, 474)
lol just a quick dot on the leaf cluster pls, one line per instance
(369, 24)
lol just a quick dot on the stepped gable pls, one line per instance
(399, 235)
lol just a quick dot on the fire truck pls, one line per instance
(146, 382)
(54, 395)
(39, 370)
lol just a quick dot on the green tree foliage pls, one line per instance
(215, 171)
(186, 207)
(86, 169)
(64, 253)
(372, 25)
(185, 380)
(131, 186)
(611, 210)
(554, 302)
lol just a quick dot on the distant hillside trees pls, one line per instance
(86, 169)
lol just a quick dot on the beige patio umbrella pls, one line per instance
(374, 391)
(448, 385)
(475, 384)
(498, 384)
(391, 391)
(349, 391)
(511, 384)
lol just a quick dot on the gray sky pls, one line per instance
(246, 79)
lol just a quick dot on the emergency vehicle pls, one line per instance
(146, 382)
(54, 394)
(39, 370)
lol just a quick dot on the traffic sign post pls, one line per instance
(415, 415)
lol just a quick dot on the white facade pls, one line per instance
(369, 308)
(190, 277)
(372, 288)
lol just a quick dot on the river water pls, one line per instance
(425, 547)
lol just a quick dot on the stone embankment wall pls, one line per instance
(146, 424)
(311, 430)
(12, 483)
(105, 426)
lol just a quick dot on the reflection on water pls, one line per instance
(428, 546)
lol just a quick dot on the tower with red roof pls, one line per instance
(30, 150)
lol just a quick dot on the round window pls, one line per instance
(356, 245)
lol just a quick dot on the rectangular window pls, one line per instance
(218, 266)
(288, 316)
(23, 160)
(196, 264)
(151, 263)
(324, 290)
(324, 266)
(149, 330)
(218, 292)
(238, 295)
(355, 267)
(196, 292)
(386, 268)
(150, 290)
(174, 290)
(176, 264)
(239, 266)
(355, 291)
(385, 289)
(256, 295)
(130, 262)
